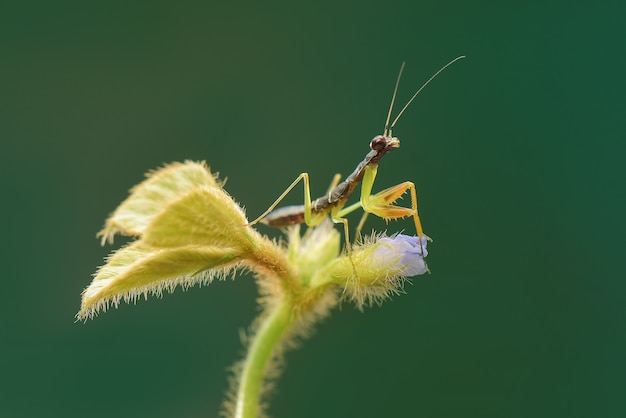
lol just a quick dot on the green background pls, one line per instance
(517, 153)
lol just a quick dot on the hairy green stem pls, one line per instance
(259, 355)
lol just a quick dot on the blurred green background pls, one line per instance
(517, 153)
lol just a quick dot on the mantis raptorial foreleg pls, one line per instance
(381, 203)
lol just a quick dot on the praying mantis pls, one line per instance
(333, 203)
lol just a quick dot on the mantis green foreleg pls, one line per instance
(381, 203)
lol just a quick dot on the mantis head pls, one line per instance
(382, 143)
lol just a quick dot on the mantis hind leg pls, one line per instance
(307, 200)
(336, 217)
(334, 182)
(308, 218)
(359, 227)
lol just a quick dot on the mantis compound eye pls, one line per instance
(378, 143)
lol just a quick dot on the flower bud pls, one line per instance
(403, 253)
(376, 269)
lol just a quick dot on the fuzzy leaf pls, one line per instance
(136, 270)
(204, 216)
(149, 198)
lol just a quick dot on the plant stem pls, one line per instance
(259, 354)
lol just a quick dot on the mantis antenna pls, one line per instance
(388, 131)
(393, 99)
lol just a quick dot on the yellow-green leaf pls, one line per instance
(148, 198)
(204, 216)
(137, 270)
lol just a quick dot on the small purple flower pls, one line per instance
(404, 252)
